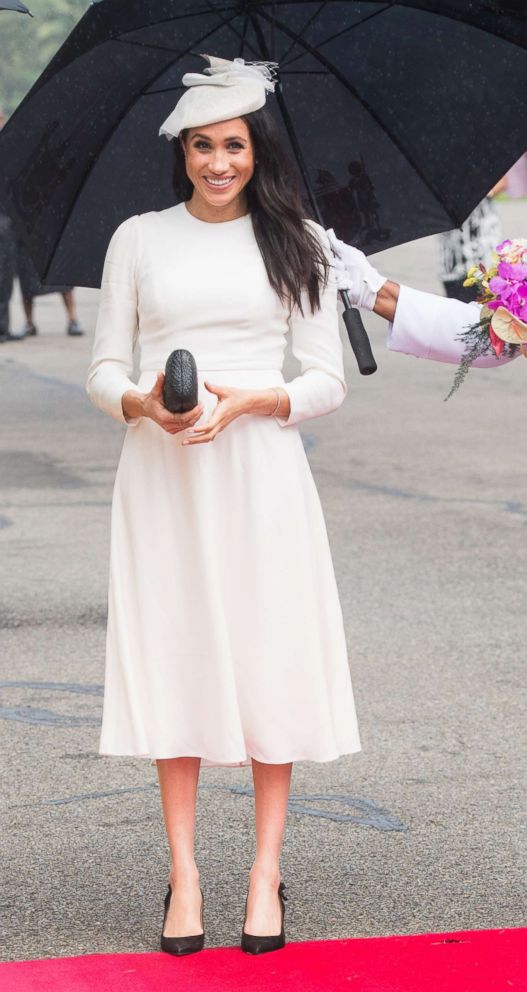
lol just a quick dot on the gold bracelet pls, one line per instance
(277, 403)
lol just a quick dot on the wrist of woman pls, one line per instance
(133, 404)
(270, 402)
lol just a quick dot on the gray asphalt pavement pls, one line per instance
(426, 508)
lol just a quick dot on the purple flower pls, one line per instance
(504, 244)
(513, 272)
(506, 295)
(517, 301)
(513, 298)
(497, 284)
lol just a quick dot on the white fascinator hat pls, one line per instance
(224, 90)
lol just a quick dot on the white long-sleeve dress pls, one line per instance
(225, 636)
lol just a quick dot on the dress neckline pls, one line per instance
(213, 223)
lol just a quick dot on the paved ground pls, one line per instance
(426, 508)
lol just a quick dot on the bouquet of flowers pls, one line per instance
(502, 291)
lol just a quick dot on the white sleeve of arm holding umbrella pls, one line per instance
(427, 326)
(320, 387)
(117, 325)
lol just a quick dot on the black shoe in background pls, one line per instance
(74, 329)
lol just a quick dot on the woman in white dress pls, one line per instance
(225, 640)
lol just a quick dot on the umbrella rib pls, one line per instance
(339, 34)
(349, 86)
(304, 28)
(234, 7)
(166, 89)
(228, 24)
(167, 20)
(146, 44)
(170, 20)
(291, 131)
(422, 10)
(112, 130)
(244, 34)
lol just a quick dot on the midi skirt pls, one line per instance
(225, 636)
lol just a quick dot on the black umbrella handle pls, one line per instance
(358, 338)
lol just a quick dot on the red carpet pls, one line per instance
(465, 961)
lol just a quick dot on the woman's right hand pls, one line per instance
(152, 406)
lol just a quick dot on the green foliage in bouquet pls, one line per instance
(477, 343)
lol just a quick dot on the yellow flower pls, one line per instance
(514, 254)
(470, 282)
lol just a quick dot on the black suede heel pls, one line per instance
(253, 944)
(182, 945)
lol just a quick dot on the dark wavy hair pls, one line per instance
(291, 251)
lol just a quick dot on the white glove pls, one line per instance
(354, 273)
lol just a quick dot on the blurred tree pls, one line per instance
(28, 44)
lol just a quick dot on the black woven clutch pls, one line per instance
(180, 391)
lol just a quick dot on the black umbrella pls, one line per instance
(401, 113)
(15, 5)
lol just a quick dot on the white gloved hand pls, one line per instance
(354, 273)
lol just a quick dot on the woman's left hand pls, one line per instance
(232, 403)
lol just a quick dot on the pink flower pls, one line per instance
(503, 245)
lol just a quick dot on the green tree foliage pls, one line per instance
(28, 44)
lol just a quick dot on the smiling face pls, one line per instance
(219, 161)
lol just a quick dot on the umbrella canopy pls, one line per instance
(15, 5)
(403, 113)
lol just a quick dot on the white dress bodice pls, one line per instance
(173, 281)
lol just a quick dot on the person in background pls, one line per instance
(7, 274)
(468, 245)
(7, 266)
(15, 260)
(30, 287)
